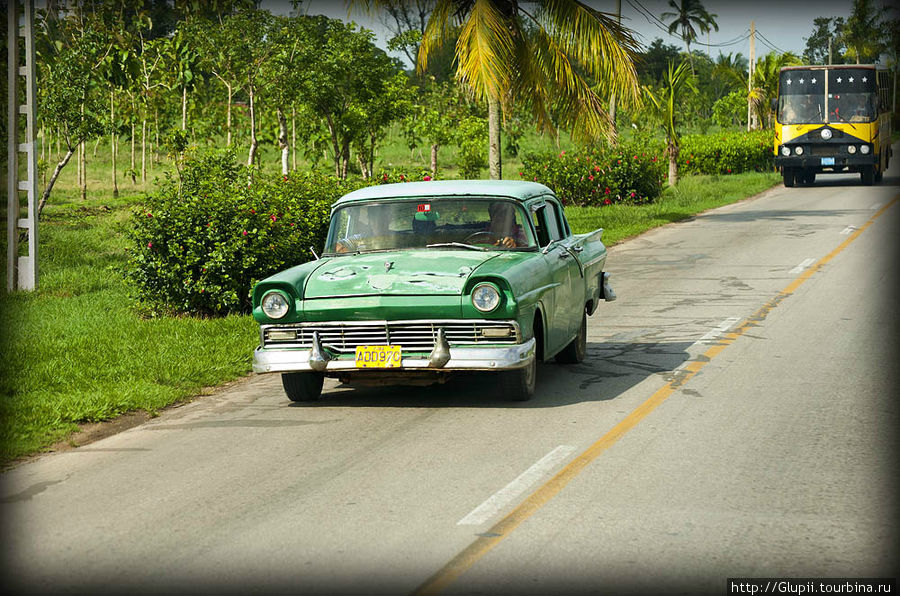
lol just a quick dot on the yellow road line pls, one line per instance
(540, 497)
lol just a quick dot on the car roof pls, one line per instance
(513, 189)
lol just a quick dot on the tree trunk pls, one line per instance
(253, 142)
(228, 116)
(184, 108)
(49, 187)
(293, 139)
(371, 156)
(112, 143)
(83, 171)
(96, 146)
(362, 166)
(672, 152)
(494, 158)
(133, 170)
(335, 146)
(283, 141)
(345, 159)
(434, 152)
(143, 150)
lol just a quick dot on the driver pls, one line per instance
(503, 225)
(377, 222)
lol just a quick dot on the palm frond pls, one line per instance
(599, 44)
(437, 31)
(484, 51)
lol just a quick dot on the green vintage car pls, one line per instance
(419, 280)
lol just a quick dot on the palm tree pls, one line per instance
(664, 105)
(765, 83)
(507, 53)
(691, 18)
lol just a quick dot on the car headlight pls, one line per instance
(275, 304)
(785, 151)
(798, 150)
(485, 297)
(851, 149)
(864, 149)
(826, 133)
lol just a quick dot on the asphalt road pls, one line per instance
(735, 417)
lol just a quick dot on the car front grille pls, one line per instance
(412, 336)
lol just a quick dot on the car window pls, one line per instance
(560, 217)
(545, 224)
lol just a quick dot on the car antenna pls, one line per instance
(313, 251)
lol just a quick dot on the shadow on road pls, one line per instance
(608, 371)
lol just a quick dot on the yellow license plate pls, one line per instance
(377, 356)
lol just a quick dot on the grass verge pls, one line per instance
(77, 351)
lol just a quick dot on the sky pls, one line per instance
(781, 25)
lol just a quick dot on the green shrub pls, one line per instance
(726, 153)
(632, 173)
(470, 137)
(202, 241)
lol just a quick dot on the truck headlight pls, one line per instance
(785, 151)
(851, 149)
(826, 133)
(485, 297)
(275, 304)
(798, 150)
(864, 149)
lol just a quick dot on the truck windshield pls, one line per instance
(851, 107)
(431, 222)
(801, 109)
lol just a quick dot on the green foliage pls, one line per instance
(471, 138)
(731, 109)
(726, 153)
(199, 249)
(827, 29)
(631, 173)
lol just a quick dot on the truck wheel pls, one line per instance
(809, 178)
(575, 351)
(867, 175)
(302, 386)
(519, 384)
(879, 173)
(788, 175)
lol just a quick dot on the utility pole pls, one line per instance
(21, 270)
(612, 98)
(750, 71)
(829, 50)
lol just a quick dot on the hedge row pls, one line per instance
(632, 173)
(636, 172)
(201, 241)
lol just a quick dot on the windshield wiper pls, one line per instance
(455, 244)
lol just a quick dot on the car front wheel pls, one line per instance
(303, 386)
(519, 384)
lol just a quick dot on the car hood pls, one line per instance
(401, 273)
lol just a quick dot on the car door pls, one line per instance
(562, 303)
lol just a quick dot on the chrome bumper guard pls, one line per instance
(442, 357)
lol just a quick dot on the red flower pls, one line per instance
(606, 191)
(402, 177)
(729, 170)
(273, 217)
(149, 245)
(285, 178)
(521, 175)
(607, 202)
(591, 177)
(149, 215)
(426, 178)
(632, 195)
(596, 168)
(253, 211)
(619, 161)
(245, 232)
(384, 176)
(635, 156)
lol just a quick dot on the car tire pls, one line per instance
(303, 386)
(577, 348)
(788, 175)
(867, 175)
(519, 384)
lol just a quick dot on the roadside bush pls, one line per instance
(726, 153)
(632, 173)
(204, 238)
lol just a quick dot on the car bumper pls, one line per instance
(840, 161)
(269, 360)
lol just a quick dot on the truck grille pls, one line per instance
(413, 336)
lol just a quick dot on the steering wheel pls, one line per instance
(492, 237)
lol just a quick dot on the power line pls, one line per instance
(653, 20)
(769, 43)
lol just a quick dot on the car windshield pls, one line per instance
(439, 223)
